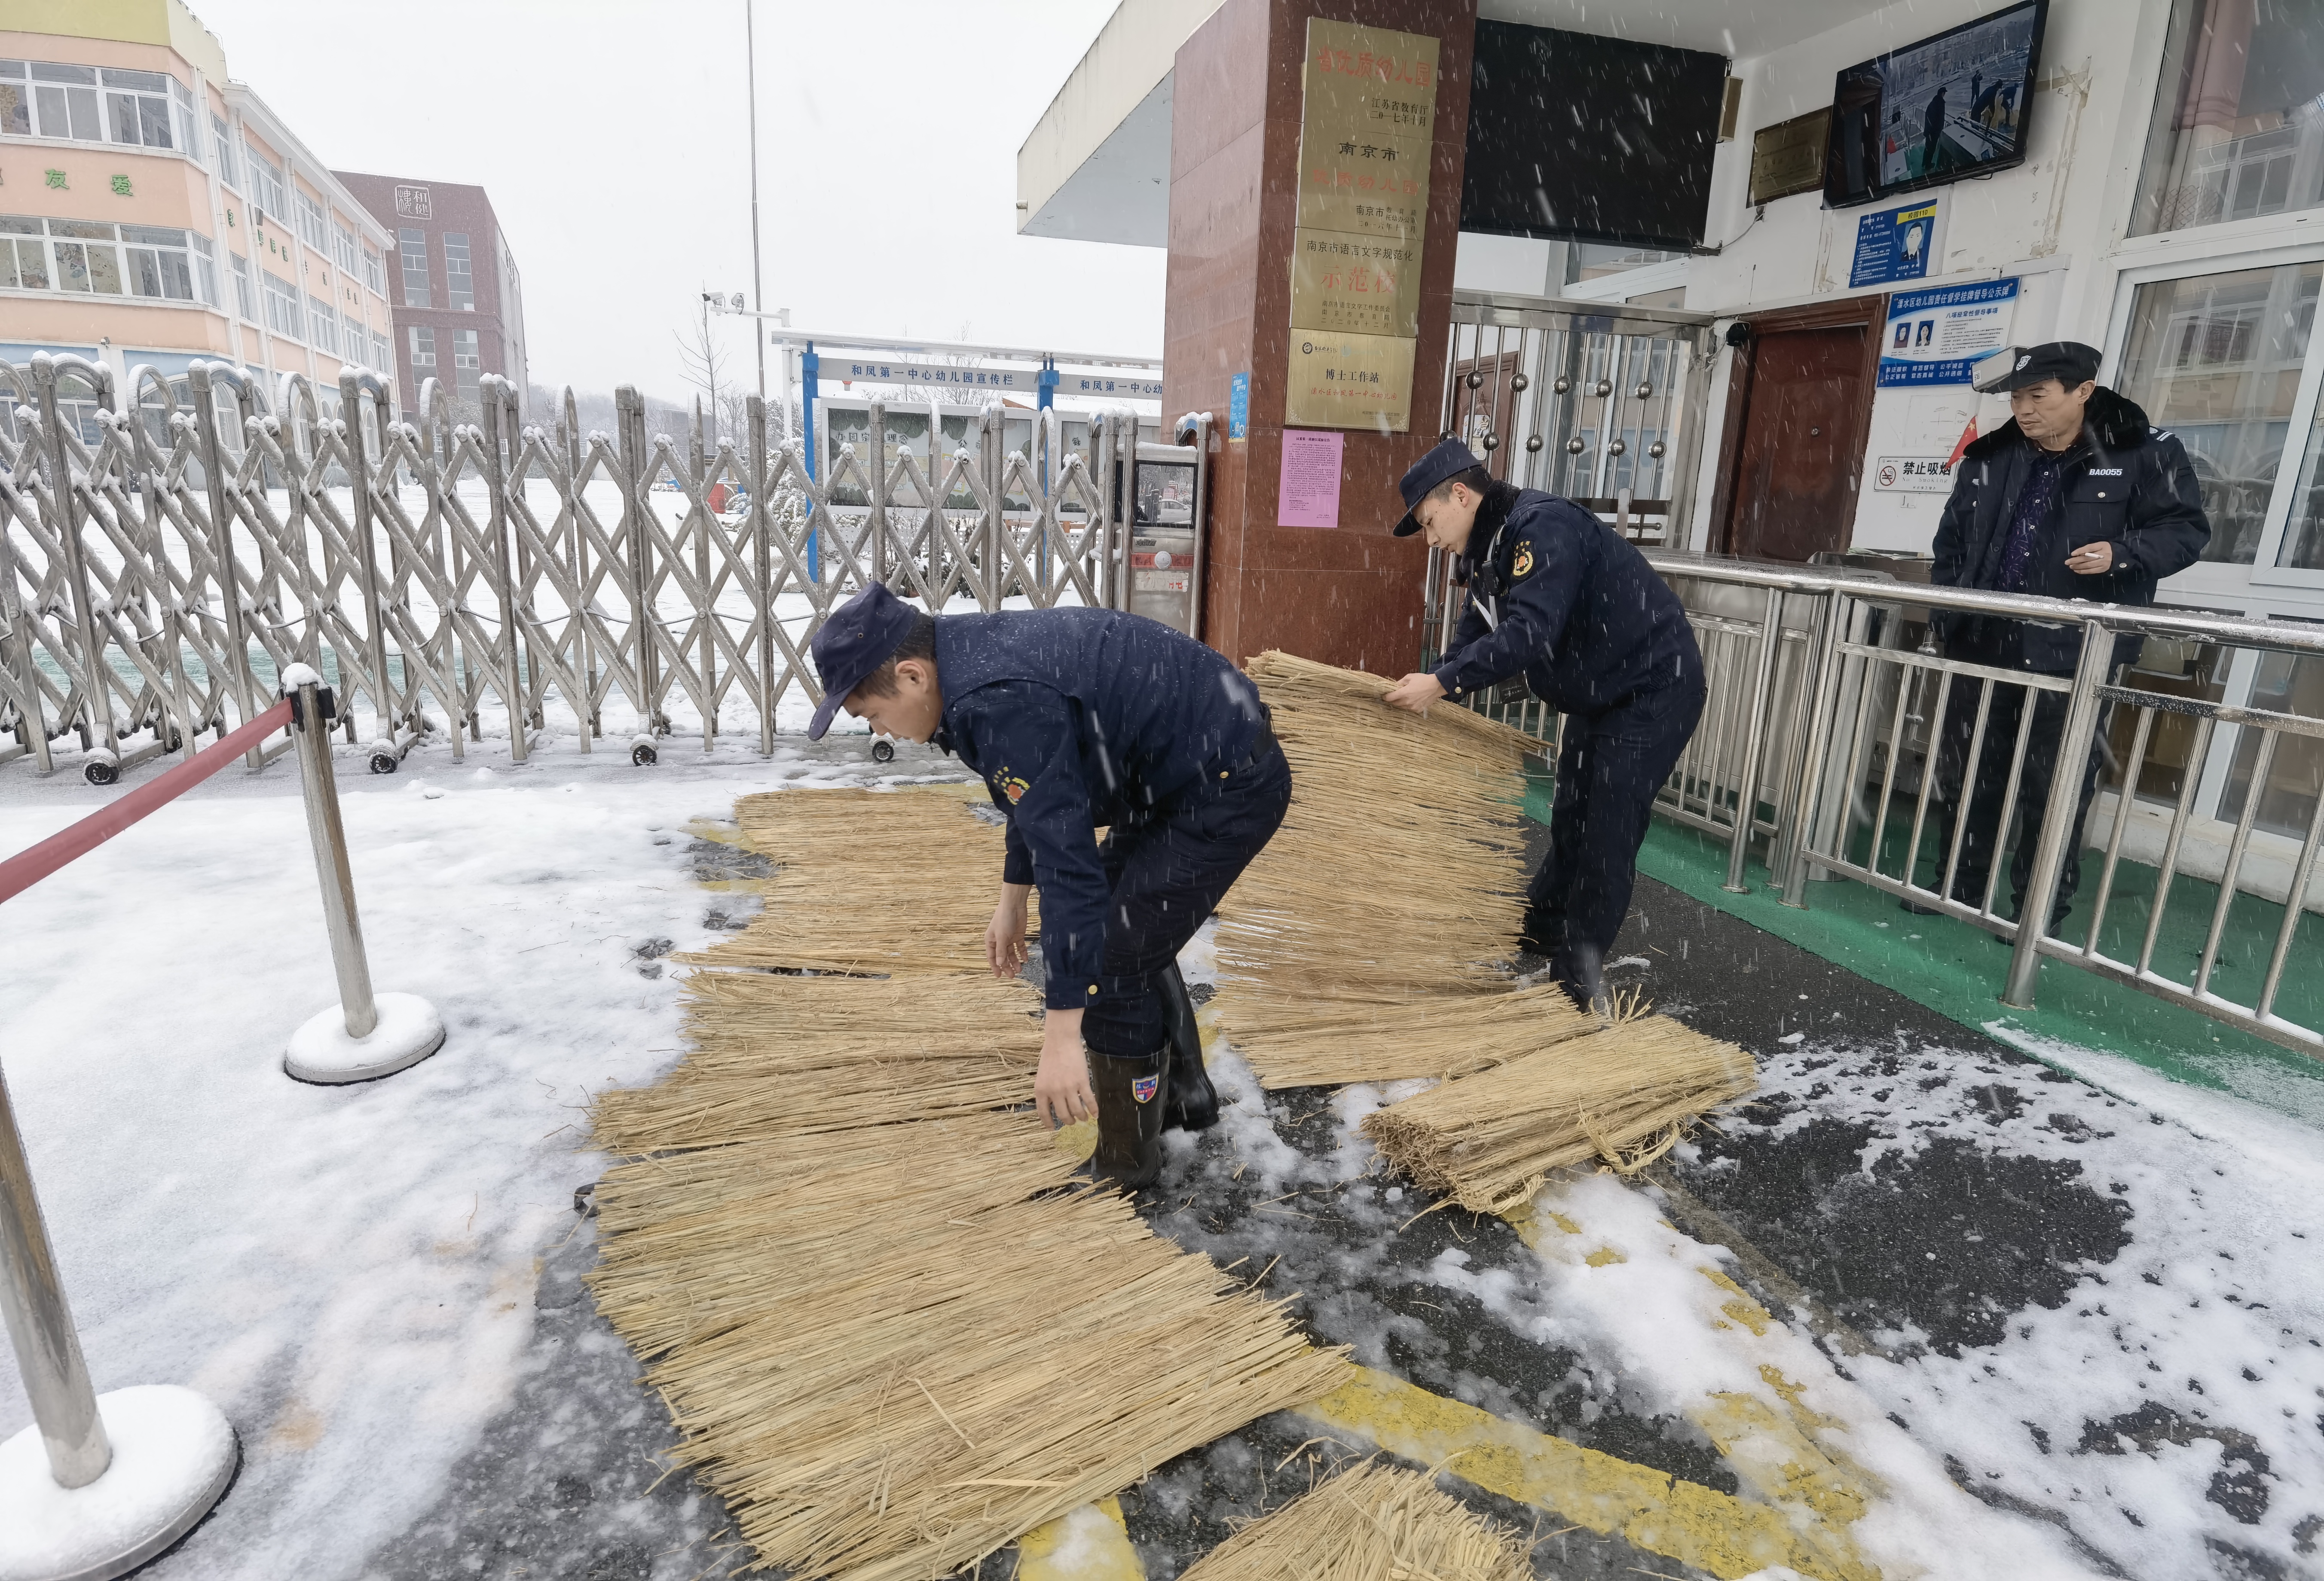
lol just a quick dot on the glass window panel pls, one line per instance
(177, 277)
(124, 117)
(222, 150)
(459, 281)
(154, 236)
(2217, 360)
(246, 299)
(33, 264)
(423, 349)
(153, 122)
(151, 81)
(18, 226)
(51, 71)
(54, 122)
(144, 271)
(412, 246)
(85, 123)
(88, 230)
(15, 110)
(72, 267)
(2285, 683)
(2239, 125)
(205, 279)
(9, 279)
(11, 69)
(105, 270)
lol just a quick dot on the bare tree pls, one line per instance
(706, 368)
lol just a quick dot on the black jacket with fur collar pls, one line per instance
(2124, 482)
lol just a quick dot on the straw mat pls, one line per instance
(1373, 1523)
(894, 1330)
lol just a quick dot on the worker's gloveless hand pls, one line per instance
(1062, 1093)
(1004, 936)
(1415, 692)
(2091, 559)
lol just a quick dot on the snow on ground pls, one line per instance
(348, 1272)
(2162, 1395)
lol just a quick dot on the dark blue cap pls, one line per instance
(856, 638)
(1441, 465)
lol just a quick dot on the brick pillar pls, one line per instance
(1349, 596)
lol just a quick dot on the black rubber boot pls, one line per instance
(1580, 970)
(1129, 1103)
(1193, 1104)
(1540, 935)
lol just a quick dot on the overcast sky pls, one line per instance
(613, 137)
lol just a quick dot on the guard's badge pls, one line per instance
(1011, 785)
(1142, 1088)
(1523, 564)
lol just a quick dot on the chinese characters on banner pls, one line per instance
(1369, 110)
(1935, 336)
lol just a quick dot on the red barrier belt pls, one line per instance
(29, 866)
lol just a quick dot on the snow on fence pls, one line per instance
(164, 559)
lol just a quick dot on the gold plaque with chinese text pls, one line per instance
(1350, 381)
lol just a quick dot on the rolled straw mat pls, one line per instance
(1373, 1523)
(1489, 1140)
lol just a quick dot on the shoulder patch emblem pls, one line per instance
(1012, 786)
(1523, 564)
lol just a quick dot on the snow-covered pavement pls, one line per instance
(2096, 1311)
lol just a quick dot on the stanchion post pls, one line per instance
(310, 725)
(48, 1351)
(363, 1036)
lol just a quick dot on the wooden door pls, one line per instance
(1795, 447)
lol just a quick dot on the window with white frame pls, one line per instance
(311, 226)
(98, 258)
(2217, 359)
(323, 325)
(422, 338)
(2239, 125)
(459, 276)
(383, 354)
(412, 246)
(343, 248)
(89, 104)
(467, 364)
(222, 152)
(266, 184)
(375, 273)
(283, 309)
(245, 294)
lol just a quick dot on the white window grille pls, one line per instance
(323, 325)
(467, 364)
(245, 295)
(459, 276)
(222, 151)
(412, 246)
(283, 313)
(97, 258)
(311, 226)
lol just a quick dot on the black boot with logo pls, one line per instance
(1192, 1103)
(1130, 1103)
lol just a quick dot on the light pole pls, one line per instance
(758, 289)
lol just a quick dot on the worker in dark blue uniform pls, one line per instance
(1078, 719)
(1557, 595)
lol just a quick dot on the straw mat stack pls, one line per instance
(1368, 944)
(894, 1332)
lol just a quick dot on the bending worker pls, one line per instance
(1557, 595)
(1079, 719)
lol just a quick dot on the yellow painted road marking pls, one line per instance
(1651, 1510)
(1087, 1544)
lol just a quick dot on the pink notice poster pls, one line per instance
(1309, 494)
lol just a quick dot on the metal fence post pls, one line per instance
(497, 397)
(762, 586)
(383, 700)
(1824, 697)
(363, 1036)
(181, 1473)
(2059, 824)
(62, 493)
(1755, 735)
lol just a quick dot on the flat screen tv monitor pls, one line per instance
(1948, 107)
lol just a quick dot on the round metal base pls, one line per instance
(173, 1454)
(409, 1031)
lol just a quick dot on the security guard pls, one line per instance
(2078, 496)
(1082, 719)
(1556, 594)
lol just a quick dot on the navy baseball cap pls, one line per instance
(2016, 367)
(855, 639)
(1448, 460)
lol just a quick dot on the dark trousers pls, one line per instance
(1167, 875)
(1982, 835)
(1608, 767)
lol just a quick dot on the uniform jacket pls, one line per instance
(1580, 612)
(2124, 481)
(1079, 718)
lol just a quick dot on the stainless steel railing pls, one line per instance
(1832, 748)
(165, 555)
